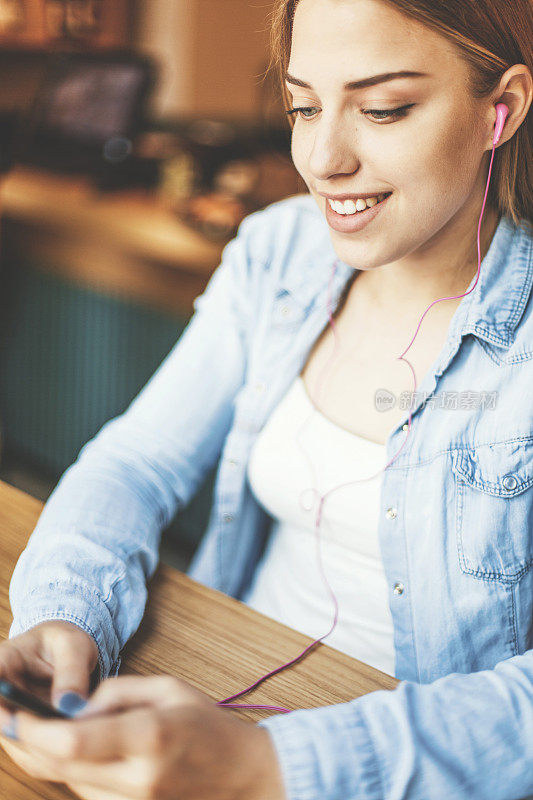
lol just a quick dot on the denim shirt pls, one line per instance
(455, 524)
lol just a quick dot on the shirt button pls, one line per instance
(391, 513)
(228, 517)
(232, 462)
(510, 483)
(405, 427)
(260, 386)
(398, 588)
(285, 310)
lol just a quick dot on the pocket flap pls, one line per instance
(503, 469)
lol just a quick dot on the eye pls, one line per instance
(387, 113)
(300, 111)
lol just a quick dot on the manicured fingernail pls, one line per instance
(71, 703)
(10, 728)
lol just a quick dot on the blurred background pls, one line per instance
(135, 135)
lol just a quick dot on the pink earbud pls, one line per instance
(501, 116)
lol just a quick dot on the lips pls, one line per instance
(352, 223)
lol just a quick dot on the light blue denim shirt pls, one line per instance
(455, 523)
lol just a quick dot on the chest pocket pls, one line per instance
(494, 509)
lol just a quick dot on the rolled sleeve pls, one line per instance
(315, 765)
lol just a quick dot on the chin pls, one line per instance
(359, 256)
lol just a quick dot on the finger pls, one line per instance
(129, 691)
(26, 668)
(130, 779)
(72, 660)
(22, 668)
(117, 781)
(11, 662)
(39, 687)
(28, 760)
(7, 656)
(5, 715)
(101, 738)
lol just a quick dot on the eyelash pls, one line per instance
(389, 113)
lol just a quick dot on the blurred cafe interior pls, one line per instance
(135, 135)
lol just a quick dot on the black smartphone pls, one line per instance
(16, 698)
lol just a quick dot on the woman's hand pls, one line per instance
(50, 660)
(154, 738)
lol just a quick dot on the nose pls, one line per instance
(333, 151)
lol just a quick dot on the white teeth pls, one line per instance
(338, 206)
(354, 206)
(350, 207)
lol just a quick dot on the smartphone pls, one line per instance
(16, 698)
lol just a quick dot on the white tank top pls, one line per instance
(288, 584)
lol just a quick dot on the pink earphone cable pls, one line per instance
(502, 112)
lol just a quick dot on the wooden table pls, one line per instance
(214, 642)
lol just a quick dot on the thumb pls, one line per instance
(71, 677)
(131, 691)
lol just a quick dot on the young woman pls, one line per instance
(423, 502)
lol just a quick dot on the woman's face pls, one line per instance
(428, 155)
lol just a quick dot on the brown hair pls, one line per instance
(491, 36)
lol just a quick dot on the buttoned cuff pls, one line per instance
(326, 754)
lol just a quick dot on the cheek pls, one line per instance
(300, 152)
(459, 144)
(442, 165)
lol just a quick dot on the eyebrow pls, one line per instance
(372, 81)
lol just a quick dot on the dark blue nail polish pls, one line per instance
(71, 703)
(10, 728)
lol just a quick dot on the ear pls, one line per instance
(515, 89)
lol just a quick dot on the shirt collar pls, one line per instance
(309, 273)
(493, 310)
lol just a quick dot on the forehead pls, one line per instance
(358, 35)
